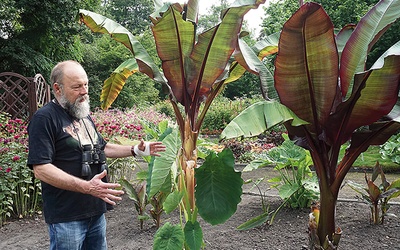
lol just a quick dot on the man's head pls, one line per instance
(70, 87)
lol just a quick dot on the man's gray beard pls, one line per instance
(78, 109)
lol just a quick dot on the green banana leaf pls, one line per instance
(250, 59)
(259, 117)
(100, 24)
(114, 84)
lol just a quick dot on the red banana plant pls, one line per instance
(195, 68)
(322, 78)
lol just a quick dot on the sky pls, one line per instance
(253, 17)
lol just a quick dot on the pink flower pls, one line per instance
(16, 158)
(8, 170)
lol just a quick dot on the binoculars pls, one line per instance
(90, 156)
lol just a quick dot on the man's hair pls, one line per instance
(57, 73)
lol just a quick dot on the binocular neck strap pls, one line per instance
(87, 131)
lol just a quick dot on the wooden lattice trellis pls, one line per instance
(21, 96)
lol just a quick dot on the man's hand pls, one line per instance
(154, 148)
(105, 191)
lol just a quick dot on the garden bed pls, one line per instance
(289, 230)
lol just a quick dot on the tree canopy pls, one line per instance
(132, 14)
(37, 34)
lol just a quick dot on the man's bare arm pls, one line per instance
(96, 187)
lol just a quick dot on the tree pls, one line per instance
(320, 76)
(207, 21)
(37, 34)
(132, 14)
(341, 12)
(247, 86)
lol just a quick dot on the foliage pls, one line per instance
(165, 107)
(36, 34)
(246, 150)
(130, 123)
(211, 19)
(19, 190)
(219, 114)
(138, 190)
(391, 149)
(368, 159)
(238, 147)
(262, 218)
(267, 216)
(296, 183)
(377, 196)
(247, 86)
(102, 55)
(321, 78)
(131, 14)
(341, 12)
(137, 193)
(169, 237)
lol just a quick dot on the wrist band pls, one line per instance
(133, 151)
(139, 152)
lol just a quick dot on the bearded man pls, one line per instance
(68, 155)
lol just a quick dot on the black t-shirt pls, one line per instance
(56, 137)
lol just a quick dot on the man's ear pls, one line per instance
(57, 87)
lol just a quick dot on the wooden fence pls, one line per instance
(21, 96)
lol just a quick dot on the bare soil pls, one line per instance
(289, 230)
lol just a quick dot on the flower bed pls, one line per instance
(19, 191)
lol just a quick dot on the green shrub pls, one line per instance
(391, 149)
(165, 108)
(222, 111)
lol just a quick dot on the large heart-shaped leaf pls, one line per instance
(193, 235)
(218, 187)
(169, 237)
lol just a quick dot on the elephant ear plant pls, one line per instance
(195, 68)
(322, 78)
